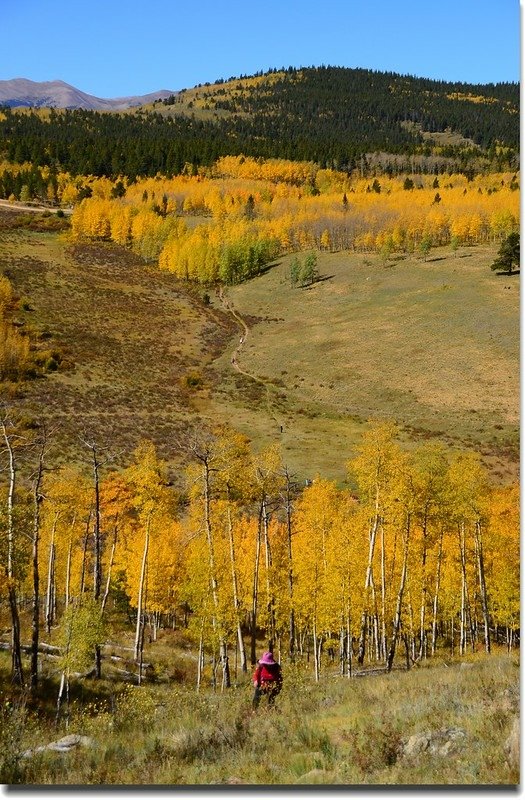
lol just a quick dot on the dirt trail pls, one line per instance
(36, 209)
(228, 306)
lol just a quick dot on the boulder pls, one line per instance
(316, 776)
(64, 745)
(443, 742)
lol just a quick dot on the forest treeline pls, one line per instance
(335, 117)
(420, 553)
(249, 211)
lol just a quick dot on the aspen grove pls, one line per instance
(419, 556)
(231, 220)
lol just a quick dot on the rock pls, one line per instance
(512, 746)
(64, 745)
(316, 776)
(442, 743)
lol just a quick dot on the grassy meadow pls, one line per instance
(356, 731)
(432, 344)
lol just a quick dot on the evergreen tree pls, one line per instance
(508, 254)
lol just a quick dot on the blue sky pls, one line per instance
(116, 48)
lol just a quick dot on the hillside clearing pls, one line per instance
(431, 344)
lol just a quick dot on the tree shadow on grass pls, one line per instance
(321, 279)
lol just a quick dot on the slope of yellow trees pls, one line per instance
(423, 554)
(254, 209)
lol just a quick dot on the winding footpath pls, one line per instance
(245, 331)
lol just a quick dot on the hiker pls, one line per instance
(267, 679)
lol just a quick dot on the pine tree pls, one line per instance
(508, 254)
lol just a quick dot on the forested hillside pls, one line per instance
(335, 117)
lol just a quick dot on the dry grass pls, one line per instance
(339, 731)
(132, 340)
(431, 344)
(434, 345)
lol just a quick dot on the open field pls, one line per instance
(431, 344)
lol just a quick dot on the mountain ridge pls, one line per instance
(339, 118)
(18, 92)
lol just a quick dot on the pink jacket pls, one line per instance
(267, 674)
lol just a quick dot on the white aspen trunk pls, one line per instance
(348, 646)
(200, 660)
(435, 602)
(84, 556)
(342, 654)
(291, 632)
(399, 603)
(35, 622)
(270, 604)
(223, 652)
(412, 632)
(139, 625)
(110, 569)
(68, 567)
(316, 653)
(369, 580)
(10, 504)
(255, 592)
(50, 577)
(462, 629)
(241, 650)
(60, 693)
(482, 585)
(16, 651)
(423, 607)
(464, 590)
(383, 596)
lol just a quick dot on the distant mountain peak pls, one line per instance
(59, 94)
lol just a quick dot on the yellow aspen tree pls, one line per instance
(377, 468)
(316, 603)
(429, 484)
(502, 559)
(469, 494)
